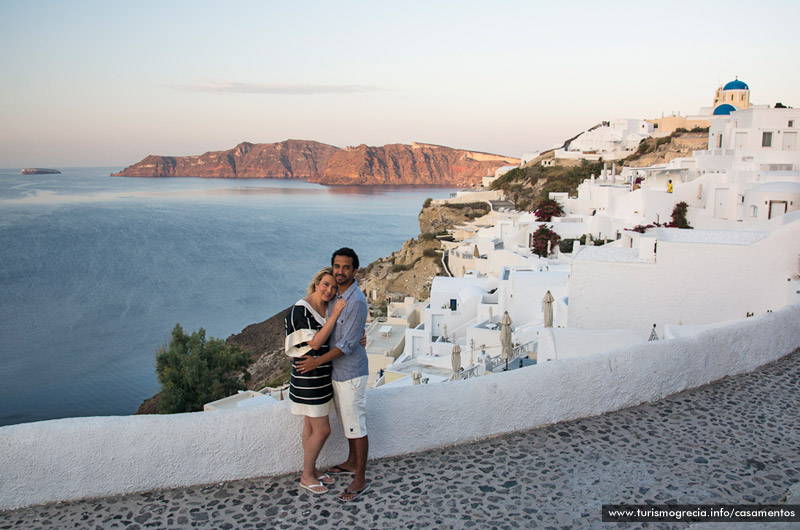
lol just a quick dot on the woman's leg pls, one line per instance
(315, 432)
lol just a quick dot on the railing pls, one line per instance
(520, 350)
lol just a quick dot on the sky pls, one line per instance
(106, 83)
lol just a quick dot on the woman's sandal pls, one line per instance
(316, 489)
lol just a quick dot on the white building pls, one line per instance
(749, 174)
(671, 276)
(611, 140)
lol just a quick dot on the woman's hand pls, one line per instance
(363, 340)
(306, 363)
(338, 307)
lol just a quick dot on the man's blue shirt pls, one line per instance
(347, 335)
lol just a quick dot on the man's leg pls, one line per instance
(360, 450)
(352, 404)
(350, 464)
(359, 444)
(340, 400)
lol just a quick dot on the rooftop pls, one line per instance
(610, 254)
(736, 85)
(725, 443)
(718, 237)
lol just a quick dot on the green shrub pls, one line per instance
(194, 371)
(430, 253)
(565, 245)
(427, 236)
(427, 202)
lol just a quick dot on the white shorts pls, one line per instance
(351, 405)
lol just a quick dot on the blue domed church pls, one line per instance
(735, 95)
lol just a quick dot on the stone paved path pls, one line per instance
(736, 441)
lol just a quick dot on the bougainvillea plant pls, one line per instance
(547, 209)
(541, 237)
(679, 216)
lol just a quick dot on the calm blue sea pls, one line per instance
(97, 270)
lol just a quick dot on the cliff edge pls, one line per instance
(393, 165)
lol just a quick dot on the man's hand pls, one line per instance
(306, 363)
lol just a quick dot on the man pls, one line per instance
(350, 371)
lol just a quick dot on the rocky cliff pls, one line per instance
(396, 164)
(287, 159)
(415, 164)
(654, 151)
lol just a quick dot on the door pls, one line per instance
(416, 346)
(789, 141)
(721, 203)
(741, 140)
(436, 326)
(776, 209)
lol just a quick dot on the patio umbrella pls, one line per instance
(505, 337)
(456, 360)
(548, 309)
(471, 352)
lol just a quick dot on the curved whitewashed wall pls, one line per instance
(92, 457)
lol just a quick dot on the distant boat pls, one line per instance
(39, 171)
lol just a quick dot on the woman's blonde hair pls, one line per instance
(318, 278)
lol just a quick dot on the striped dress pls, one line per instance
(311, 393)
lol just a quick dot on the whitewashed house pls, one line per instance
(672, 276)
(611, 140)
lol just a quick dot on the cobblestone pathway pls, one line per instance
(735, 441)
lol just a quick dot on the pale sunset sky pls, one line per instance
(106, 83)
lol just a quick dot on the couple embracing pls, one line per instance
(324, 334)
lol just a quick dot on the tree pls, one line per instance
(541, 237)
(193, 371)
(547, 209)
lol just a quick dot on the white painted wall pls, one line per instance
(92, 457)
(566, 343)
(694, 283)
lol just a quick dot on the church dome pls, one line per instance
(736, 85)
(724, 109)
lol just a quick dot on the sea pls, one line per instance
(95, 271)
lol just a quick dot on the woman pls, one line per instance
(311, 394)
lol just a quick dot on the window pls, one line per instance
(791, 123)
(719, 141)
(453, 304)
(766, 139)
(753, 210)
